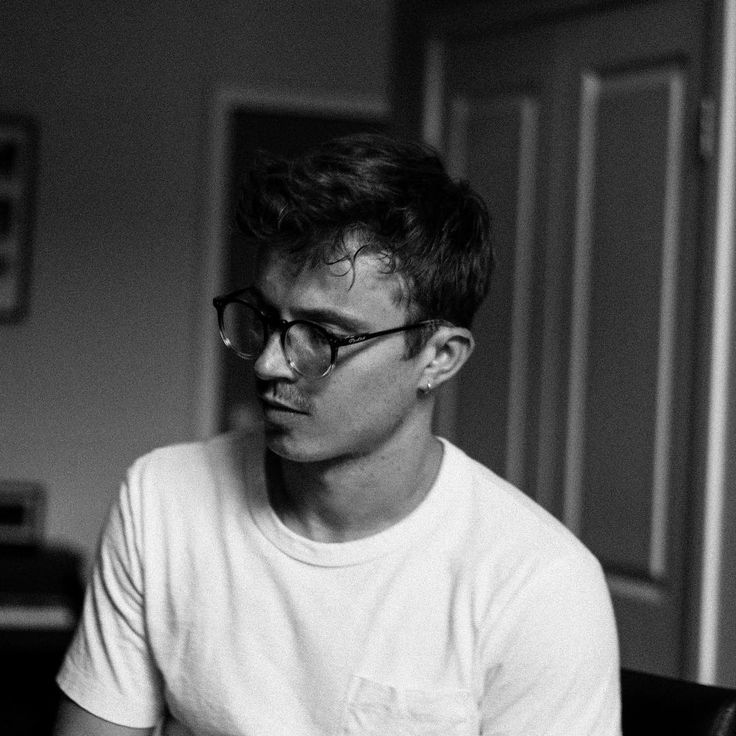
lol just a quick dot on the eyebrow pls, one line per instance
(321, 315)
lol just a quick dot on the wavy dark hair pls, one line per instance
(397, 198)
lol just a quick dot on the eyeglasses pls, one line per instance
(310, 349)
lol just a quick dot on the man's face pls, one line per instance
(368, 404)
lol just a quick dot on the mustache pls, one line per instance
(283, 393)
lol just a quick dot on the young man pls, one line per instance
(352, 573)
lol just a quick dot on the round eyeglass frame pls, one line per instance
(272, 324)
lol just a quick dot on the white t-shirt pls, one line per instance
(478, 613)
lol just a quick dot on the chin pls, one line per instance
(321, 449)
(295, 449)
(306, 448)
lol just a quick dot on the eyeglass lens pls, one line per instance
(306, 347)
(307, 350)
(243, 328)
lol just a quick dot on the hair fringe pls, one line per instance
(435, 232)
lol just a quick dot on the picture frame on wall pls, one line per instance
(18, 143)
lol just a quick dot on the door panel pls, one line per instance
(580, 133)
(624, 345)
(624, 317)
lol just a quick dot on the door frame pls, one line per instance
(713, 655)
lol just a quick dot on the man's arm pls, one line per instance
(73, 720)
(108, 669)
(560, 672)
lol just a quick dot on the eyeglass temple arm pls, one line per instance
(354, 339)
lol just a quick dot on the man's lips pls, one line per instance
(279, 405)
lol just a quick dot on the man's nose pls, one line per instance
(272, 362)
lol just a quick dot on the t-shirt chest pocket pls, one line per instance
(375, 709)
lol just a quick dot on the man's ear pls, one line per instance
(444, 355)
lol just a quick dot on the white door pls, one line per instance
(581, 132)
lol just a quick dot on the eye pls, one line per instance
(272, 317)
(334, 331)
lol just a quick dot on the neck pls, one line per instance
(349, 498)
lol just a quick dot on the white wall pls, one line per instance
(105, 365)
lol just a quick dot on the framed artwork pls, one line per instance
(22, 513)
(17, 178)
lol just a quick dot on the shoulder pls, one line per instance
(183, 481)
(176, 503)
(533, 579)
(510, 544)
(192, 464)
(503, 512)
(185, 457)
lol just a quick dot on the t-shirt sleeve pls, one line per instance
(109, 669)
(558, 671)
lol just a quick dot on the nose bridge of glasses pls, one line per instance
(271, 325)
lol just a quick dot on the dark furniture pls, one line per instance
(40, 597)
(661, 706)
